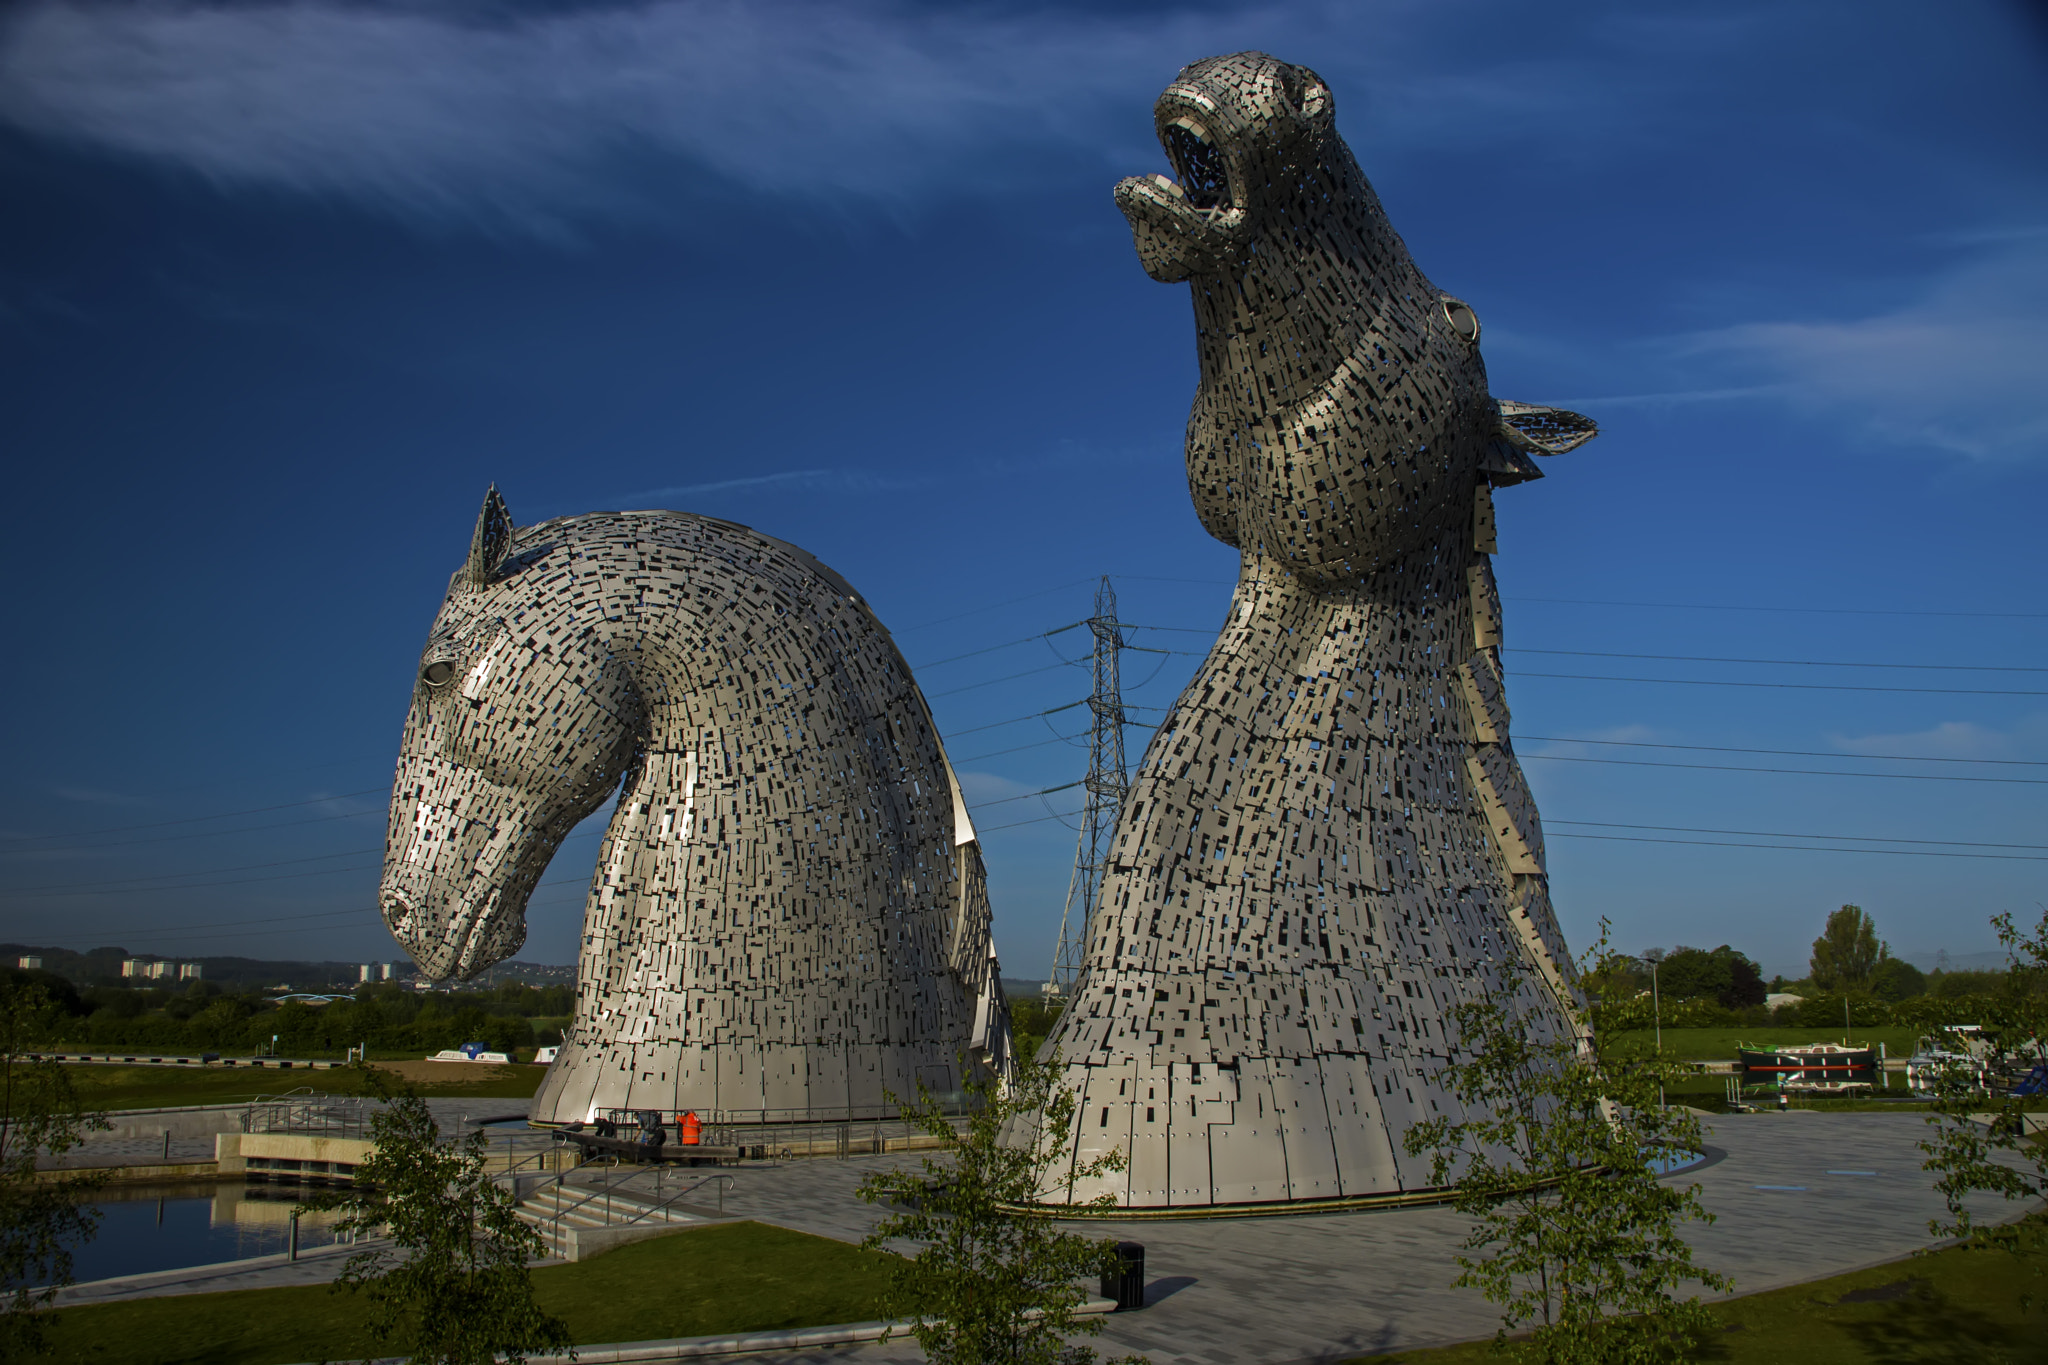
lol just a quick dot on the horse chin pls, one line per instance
(466, 937)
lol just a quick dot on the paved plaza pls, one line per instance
(1260, 1290)
(1798, 1196)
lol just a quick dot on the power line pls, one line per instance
(194, 886)
(1790, 663)
(1044, 791)
(122, 886)
(991, 682)
(1783, 753)
(1034, 744)
(1016, 720)
(199, 819)
(1034, 820)
(1799, 687)
(1781, 834)
(197, 872)
(180, 931)
(1823, 611)
(1807, 772)
(203, 834)
(1007, 644)
(1805, 848)
(992, 606)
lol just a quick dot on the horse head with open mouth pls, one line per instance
(789, 911)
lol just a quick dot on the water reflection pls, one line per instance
(172, 1226)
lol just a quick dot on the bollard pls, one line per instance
(295, 1235)
(1124, 1281)
(167, 1144)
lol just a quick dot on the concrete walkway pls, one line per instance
(1267, 1291)
(1798, 1196)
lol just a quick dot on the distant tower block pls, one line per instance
(1107, 781)
(1328, 844)
(789, 918)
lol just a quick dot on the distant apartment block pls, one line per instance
(147, 970)
(31, 963)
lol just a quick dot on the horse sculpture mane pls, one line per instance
(1328, 845)
(789, 915)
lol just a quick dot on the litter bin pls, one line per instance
(1124, 1280)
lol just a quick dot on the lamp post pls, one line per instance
(1657, 1016)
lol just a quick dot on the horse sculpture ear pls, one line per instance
(1545, 431)
(1311, 95)
(493, 538)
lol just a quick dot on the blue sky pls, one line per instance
(284, 287)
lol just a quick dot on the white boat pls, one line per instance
(472, 1052)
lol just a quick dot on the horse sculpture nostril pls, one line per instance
(398, 915)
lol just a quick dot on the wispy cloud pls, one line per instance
(1957, 369)
(1674, 398)
(836, 481)
(1957, 739)
(439, 110)
(93, 796)
(432, 110)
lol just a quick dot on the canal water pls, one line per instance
(173, 1226)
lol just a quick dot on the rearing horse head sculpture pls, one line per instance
(789, 911)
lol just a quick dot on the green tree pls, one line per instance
(40, 1115)
(1847, 951)
(993, 1283)
(1970, 1157)
(1558, 1161)
(460, 1294)
(1895, 979)
(1723, 975)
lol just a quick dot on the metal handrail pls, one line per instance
(559, 1213)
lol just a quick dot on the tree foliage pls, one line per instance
(1847, 951)
(460, 1292)
(40, 1219)
(1722, 975)
(198, 1015)
(1968, 1157)
(1557, 1160)
(992, 1282)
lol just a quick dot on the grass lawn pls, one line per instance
(741, 1277)
(106, 1086)
(1945, 1309)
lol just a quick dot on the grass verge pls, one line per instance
(740, 1277)
(105, 1086)
(1947, 1308)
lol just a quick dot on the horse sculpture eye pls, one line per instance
(437, 673)
(1463, 320)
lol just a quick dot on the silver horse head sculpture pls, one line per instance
(789, 914)
(1328, 846)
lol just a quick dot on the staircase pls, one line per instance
(578, 1220)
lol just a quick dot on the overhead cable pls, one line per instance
(1783, 753)
(1805, 772)
(1797, 687)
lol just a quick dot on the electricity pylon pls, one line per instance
(1106, 784)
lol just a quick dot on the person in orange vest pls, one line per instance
(689, 1129)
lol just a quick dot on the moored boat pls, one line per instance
(1809, 1068)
